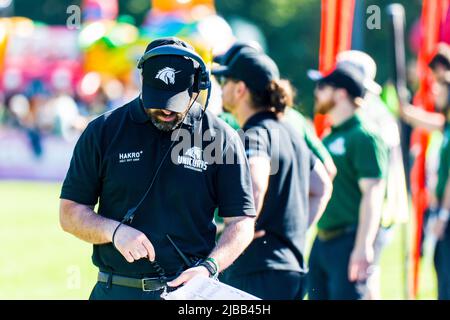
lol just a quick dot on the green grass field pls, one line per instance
(39, 261)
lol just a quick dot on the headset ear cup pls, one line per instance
(204, 82)
(197, 81)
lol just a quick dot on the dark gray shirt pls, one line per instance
(284, 215)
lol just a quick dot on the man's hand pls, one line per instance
(360, 261)
(188, 275)
(259, 234)
(133, 244)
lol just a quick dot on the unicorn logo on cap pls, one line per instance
(167, 75)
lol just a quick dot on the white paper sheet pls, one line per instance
(203, 288)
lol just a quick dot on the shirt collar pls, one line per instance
(351, 122)
(137, 111)
(257, 117)
(193, 116)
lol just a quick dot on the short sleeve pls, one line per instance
(370, 157)
(234, 184)
(257, 144)
(82, 182)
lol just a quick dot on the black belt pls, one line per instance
(145, 284)
(327, 235)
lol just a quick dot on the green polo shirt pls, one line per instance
(358, 152)
(229, 119)
(444, 164)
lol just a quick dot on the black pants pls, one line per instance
(101, 291)
(442, 265)
(270, 284)
(328, 268)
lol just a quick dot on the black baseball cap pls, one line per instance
(346, 76)
(255, 68)
(167, 80)
(225, 58)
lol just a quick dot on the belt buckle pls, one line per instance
(145, 289)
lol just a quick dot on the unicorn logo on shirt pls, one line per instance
(195, 153)
(193, 159)
(337, 147)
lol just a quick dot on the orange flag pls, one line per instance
(433, 14)
(335, 36)
(173, 5)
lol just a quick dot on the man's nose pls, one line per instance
(166, 112)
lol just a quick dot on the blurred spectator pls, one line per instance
(440, 201)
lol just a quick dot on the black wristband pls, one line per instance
(212, 262)
(114, 234)
(208, 267)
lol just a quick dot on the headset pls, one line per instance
(201, 78)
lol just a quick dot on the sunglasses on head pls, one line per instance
(223, 80)
(323, 85)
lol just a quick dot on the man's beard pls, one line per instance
(323, 107)
(166, 126)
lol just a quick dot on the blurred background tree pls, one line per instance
(291, 30)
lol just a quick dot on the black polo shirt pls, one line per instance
(115, 160)
(284, 215)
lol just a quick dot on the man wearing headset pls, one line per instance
(150, 167)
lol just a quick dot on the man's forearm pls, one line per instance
(236, 236)
(443, 213)
(81, 221)
(260, 172)
(320, 189)
(317, 205)
(418, 117)
(446, 199)
(369, 219)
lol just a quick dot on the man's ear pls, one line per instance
(340, 94)
(240, 89)
(447, 76)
